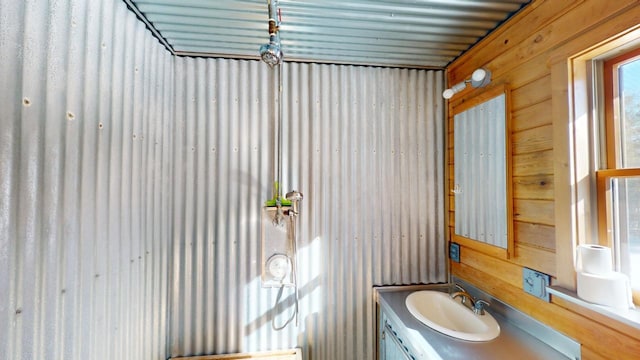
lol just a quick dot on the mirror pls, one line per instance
(482, 176)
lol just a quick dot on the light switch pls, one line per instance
(535, 283)
(454, 252)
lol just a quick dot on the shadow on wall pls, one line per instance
(284, 307)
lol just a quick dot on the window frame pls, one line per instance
(572, 111)
(569, 65)
(610, 168)
(610, 66)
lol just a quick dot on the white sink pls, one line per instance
(440, 312)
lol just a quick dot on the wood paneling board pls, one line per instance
(534, 211)
(538, 163)
(535, 258)
(521, 53)
(533, 187)
(535, 235)
(532, 116)
(619, 25)
(294, 354)
(505, 270)
(532, 93)
(527, 72)
(595, 316)
(588, 354)
(533, 140)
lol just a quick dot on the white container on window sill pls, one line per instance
(611, 289)
(597, 282)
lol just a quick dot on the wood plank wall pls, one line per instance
(521, 53)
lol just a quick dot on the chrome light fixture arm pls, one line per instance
(479, 78)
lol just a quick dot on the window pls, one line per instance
(618, 176)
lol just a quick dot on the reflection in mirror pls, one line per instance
(480, 172)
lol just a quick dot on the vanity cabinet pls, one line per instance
(400, 336)
(391, 345)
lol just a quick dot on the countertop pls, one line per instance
(512, 343)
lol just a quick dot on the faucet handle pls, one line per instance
(478, 307)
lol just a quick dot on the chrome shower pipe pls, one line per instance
(274, 24)
(280, 128)
(271, 54)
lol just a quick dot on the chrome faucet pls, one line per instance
(457, 286)
(476, 305)
(464, 295)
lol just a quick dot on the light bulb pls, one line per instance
(478, 75)
(480, 78)
(448, 94)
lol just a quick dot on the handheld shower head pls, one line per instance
(271, 53)
(294, 196)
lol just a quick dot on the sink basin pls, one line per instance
(440, 312)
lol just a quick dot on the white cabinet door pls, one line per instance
(391, 346)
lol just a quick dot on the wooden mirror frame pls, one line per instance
(458, 106)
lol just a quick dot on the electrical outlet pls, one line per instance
(454, 252)
(535, 283)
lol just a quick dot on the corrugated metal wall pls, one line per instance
(86, 103)
(131, 184)
(365, 147)
(481, 154)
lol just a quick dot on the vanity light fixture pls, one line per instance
(479, 78)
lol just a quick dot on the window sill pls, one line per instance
(630, 317)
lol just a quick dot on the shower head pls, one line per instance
(294, 195)
(271, 53)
